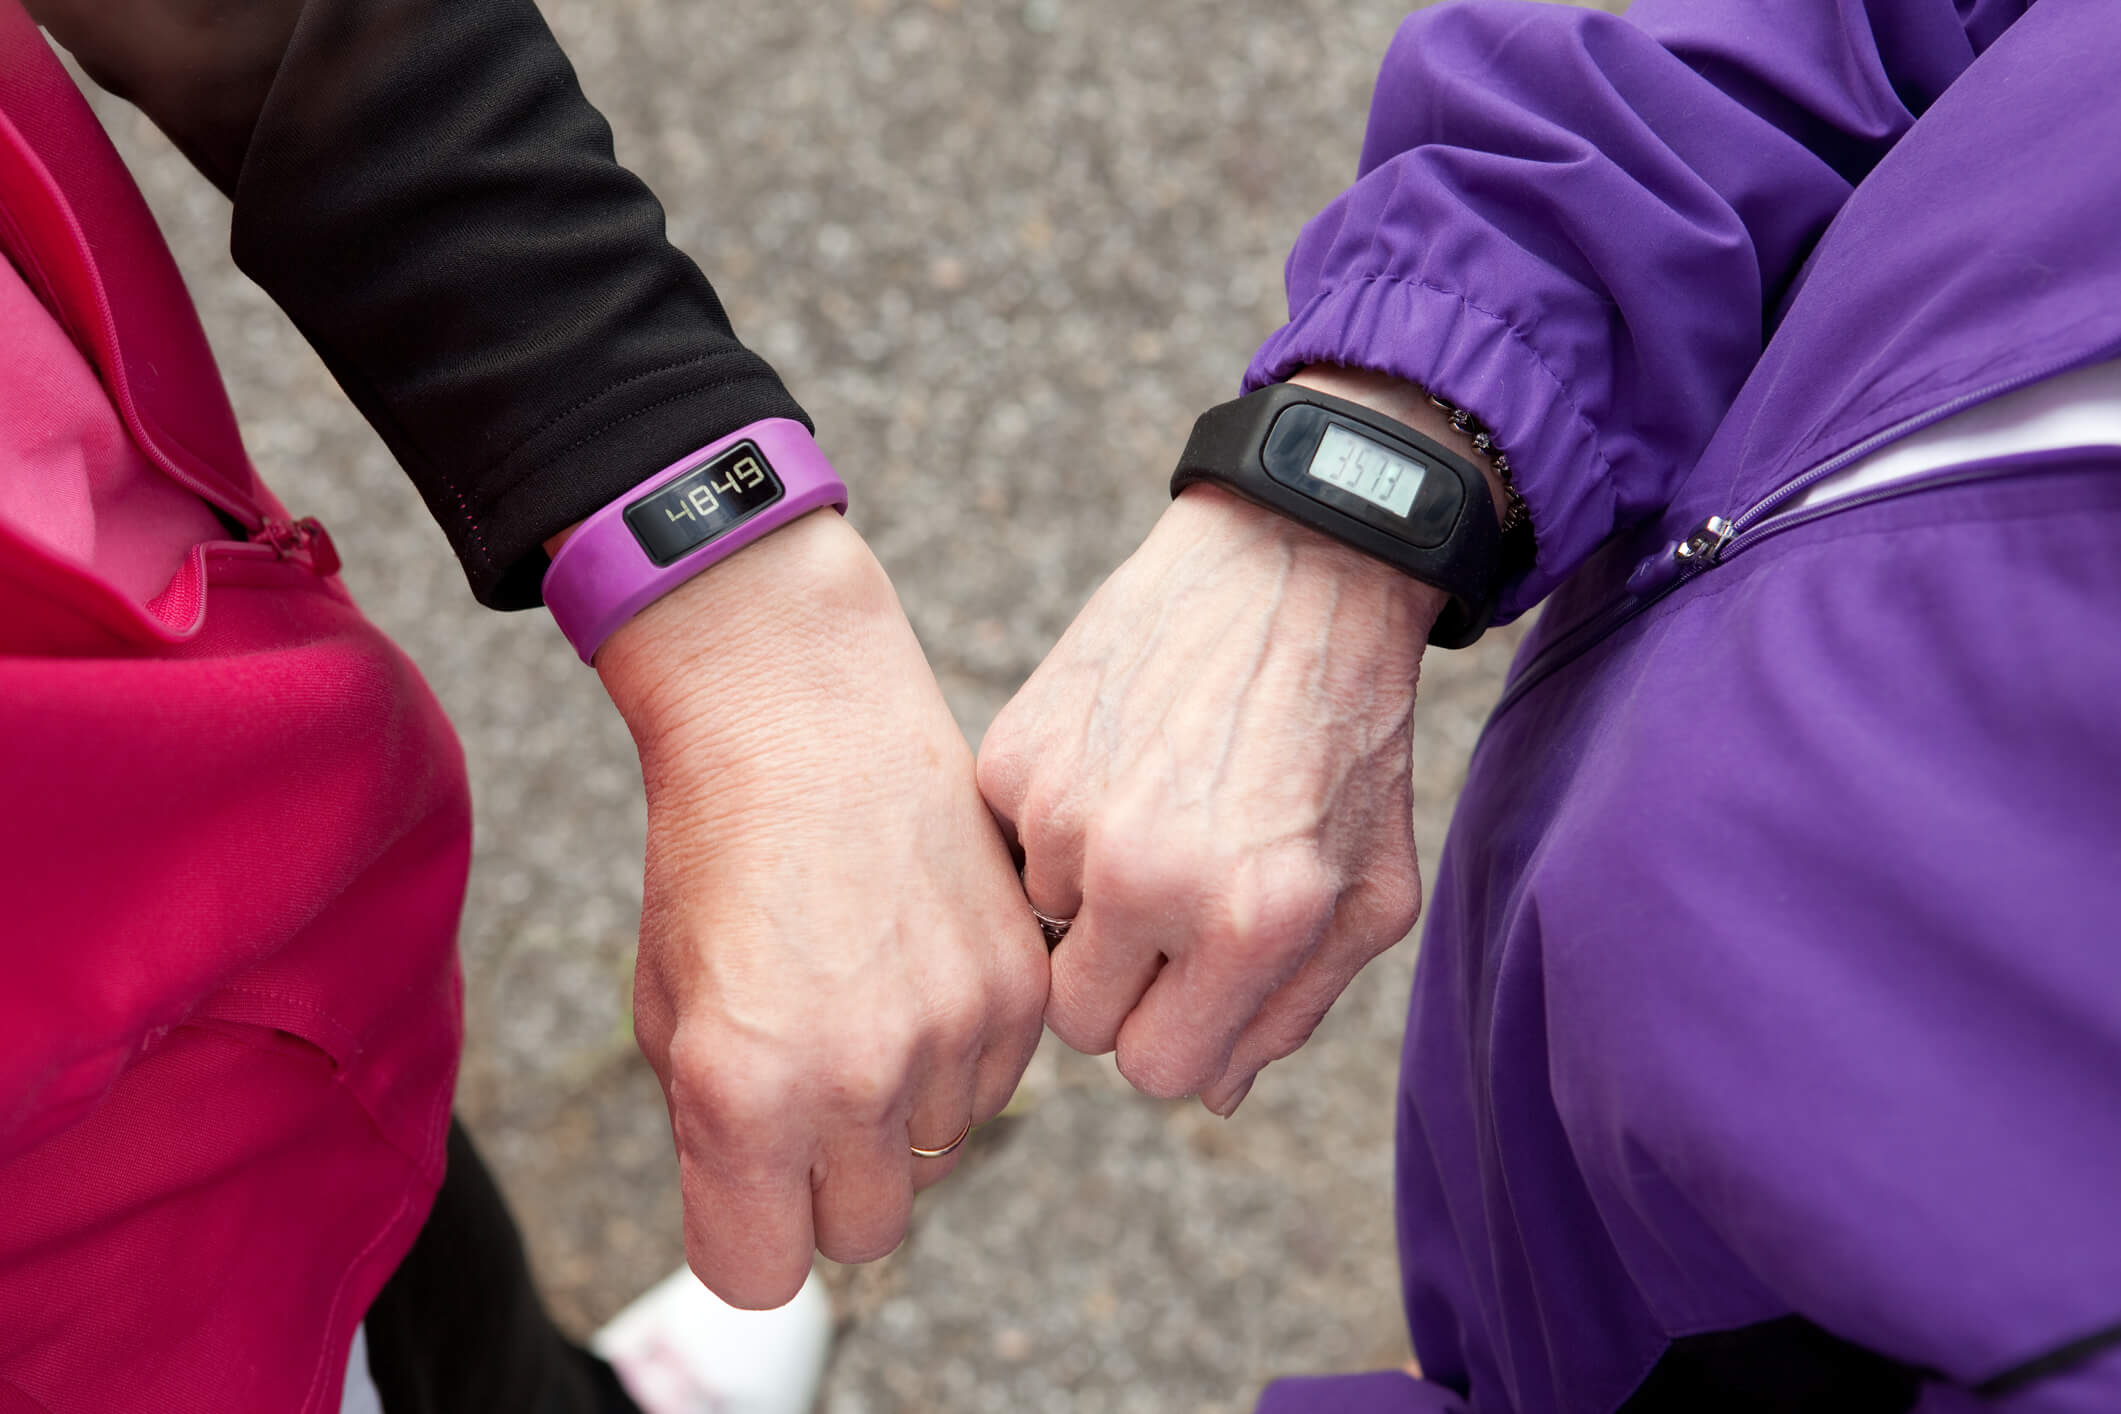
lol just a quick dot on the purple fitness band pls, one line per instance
(700, 509)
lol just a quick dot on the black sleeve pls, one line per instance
(436, 205)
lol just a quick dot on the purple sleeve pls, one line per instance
(1582, 227)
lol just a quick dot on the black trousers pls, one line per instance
(459, 1328)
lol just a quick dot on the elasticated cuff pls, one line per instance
(1476, 359)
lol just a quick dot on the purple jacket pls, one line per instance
(1765, 1049)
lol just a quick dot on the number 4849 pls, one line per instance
(744, 474)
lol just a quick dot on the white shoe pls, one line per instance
(680, 1349)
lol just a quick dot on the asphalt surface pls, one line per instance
(1004, 252)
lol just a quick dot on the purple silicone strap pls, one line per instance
(602, 576)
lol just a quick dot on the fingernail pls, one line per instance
(1229, 1107)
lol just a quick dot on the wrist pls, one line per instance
(691, 515)
(721, 657)
(1409, 605)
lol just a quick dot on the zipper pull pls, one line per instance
(1682, 558)
(288, 539)
(1698, 551)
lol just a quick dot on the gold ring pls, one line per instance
(951, 1147)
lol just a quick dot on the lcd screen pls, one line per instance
(1355, 463)
(704, 503)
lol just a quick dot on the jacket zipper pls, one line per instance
(305, 541)
(1718, 538)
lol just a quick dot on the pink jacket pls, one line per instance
(234, 830)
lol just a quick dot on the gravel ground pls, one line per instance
(1004, 252)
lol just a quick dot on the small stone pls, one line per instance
(946, 272)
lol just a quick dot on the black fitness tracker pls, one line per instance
(1368, 481)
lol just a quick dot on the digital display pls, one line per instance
(704, 503)
(1358, 465)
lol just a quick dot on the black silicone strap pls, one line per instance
(1229, 447)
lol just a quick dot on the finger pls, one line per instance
(1185, 1031)
(864, 1195)
(996, 1079)
(1013, 1036)
(1003, 776)
(1015, 1018)
(748, 1237)
(748, 1233)
(1136, 889)
(942, 1116)
(1100, 971)
(1050, 841)
(1250, 937)
(1182, 1034)
(1284, 1023)
(1001, 1068)
(1367, 922)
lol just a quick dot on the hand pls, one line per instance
(1210, 773)
(837, 962)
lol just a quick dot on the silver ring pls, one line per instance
(1054, 928)
(951, 1147)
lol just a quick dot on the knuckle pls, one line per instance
(1233, 935)
(729, 1092)
(868, 1090)
(954, 1030)
(1379, 914)
(1399, 907)
(1274, 910)
(1131, 866)
(857, 1072)
(1049, 822)
(707, 1088)
(1003, 768)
